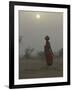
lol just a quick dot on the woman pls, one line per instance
(48, 51)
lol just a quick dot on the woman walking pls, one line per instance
(48, 51)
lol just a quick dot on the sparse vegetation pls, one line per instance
(28, 52)
(40, 55)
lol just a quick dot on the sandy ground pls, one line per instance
(39, 69)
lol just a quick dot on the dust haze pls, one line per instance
(34, 30)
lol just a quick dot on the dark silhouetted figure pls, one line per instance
(48, 51)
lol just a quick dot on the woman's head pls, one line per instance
(47, 37)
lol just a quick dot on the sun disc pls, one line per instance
(38, 16)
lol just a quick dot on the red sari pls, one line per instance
(48, 54)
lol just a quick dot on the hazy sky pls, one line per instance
(34, 30)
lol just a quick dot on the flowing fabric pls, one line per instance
(48, 54)
(49, 58)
